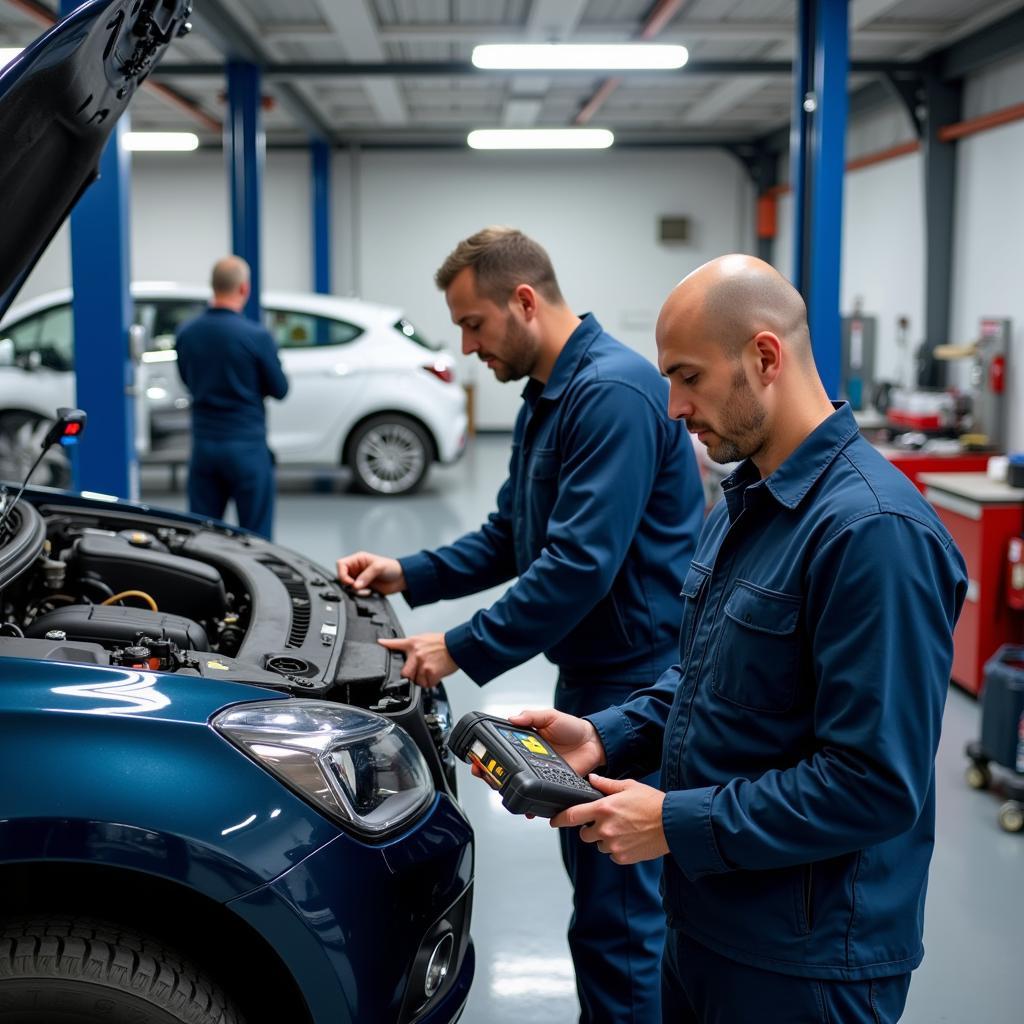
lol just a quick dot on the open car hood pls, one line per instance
(59, 101)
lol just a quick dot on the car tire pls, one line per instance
(84, 971)
(21, 434)
(389, 455)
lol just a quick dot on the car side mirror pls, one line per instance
(6, 351)
(137, 338)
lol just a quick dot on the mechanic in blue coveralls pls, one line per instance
(797, 733)
(597, 519)
(229, 363)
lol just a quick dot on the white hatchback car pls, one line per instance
(366, 389)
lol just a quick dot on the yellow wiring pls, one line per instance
(132, 593)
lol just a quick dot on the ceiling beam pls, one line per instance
(994, 42)
(610, 32)
(735, 91)
(357, 36)
(863, 12)
(282, 70)
(548, 21)
(236, 40)
(657, 18)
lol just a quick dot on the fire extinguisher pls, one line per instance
(1015, 574)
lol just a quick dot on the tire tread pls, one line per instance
(118, 958)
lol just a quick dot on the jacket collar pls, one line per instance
(568, 361)
(790, 483)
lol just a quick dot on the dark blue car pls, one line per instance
(220, 802)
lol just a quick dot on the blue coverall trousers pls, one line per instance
(617, 929)
(701, 987)
(240, 470)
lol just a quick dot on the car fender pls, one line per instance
(407, 395)
(36, 392)
(165, 794)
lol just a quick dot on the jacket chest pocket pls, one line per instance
(757, 665)
(543, 464)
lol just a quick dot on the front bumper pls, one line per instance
(452, 436)
(355, 924)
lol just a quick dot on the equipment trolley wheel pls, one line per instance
(1011, 816)
(978, 775)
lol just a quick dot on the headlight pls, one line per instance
(355, 766)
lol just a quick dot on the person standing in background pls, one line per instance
(230, 365)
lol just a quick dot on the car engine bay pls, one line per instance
(83, 583)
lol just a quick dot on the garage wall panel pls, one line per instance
(883, 255)
(989, 250)
(180, 226)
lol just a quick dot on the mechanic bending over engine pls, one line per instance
(597, 519)
(797, 733)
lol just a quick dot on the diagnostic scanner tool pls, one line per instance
(522, 767)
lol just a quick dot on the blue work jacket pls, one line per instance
(797, 734)
(598, 518)
(230, 364)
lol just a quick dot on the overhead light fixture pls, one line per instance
(580, 56)
(540, 138)
(161, 142)
(7, 54)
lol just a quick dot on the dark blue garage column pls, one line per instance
(817, 146)
(244, 148)
(320, 163)
(102, 313)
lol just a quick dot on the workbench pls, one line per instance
(982, 515)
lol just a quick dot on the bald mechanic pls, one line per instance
(797, 734)
(597, 522)
(230, 365)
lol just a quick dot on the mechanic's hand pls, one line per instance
(574, 738)
(427, 660)
(626, 824)
(364, 570)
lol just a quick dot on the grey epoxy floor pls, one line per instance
(975, 913)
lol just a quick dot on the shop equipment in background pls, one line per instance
(1002, 735)
(984, 518)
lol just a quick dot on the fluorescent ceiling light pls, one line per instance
(7, 55)
(161, 142)
(540, 138)
(580, 56)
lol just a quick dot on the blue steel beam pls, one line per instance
(320, 163)
(817, 166)
(244, 147)
(102, 314)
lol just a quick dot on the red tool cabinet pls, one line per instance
(982, 515)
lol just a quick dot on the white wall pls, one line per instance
(882, 252)
(883, 255)
(180, 222)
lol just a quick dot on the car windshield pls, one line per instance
(404, 327)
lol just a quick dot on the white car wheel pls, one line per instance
(21, 440)
(389, 455)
